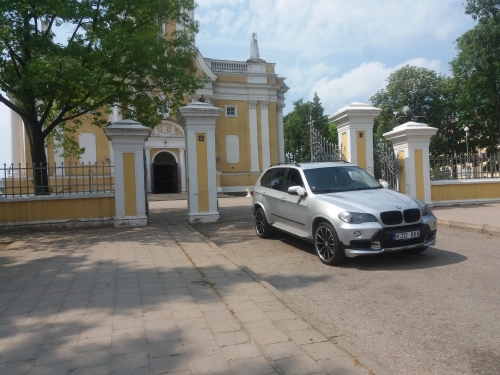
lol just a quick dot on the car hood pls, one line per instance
(370, 201)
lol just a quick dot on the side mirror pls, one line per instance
(299, 190)
(384, 183)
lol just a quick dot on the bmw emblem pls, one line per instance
(398, 207)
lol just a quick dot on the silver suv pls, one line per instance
(340, 208)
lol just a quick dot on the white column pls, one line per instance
(356, 120)
(410, 138)
(148, 169)
(264, 121)
(281, 133)
(17, 140)
(198, 120)
(117, 116)
(182, 161)
(254, 139)
(128, 138)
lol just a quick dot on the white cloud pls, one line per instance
(360, 83)
(318, 28)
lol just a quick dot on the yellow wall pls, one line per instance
(201, 158)
(240, 179)
(234, 79)
(419, 174)
(129, 184)
(361, 145)
(233, 126)
(345, 146)
(56, 209)
(402, 176)
(465, 191)
(270, 68)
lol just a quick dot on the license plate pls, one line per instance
(406, 235)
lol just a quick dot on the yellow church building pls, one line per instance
(249, 132)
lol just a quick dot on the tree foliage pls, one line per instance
(297, 130)
(477, 71)
(61, 60)
(431, 98)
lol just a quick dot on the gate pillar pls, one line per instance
(355, 129)
(127, 139)
(411, 146)
(198, 121)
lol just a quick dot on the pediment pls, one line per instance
(167, 129)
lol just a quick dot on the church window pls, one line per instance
(87, 142)
(232, 149)
(231, 111)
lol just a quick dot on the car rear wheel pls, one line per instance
(327, 245)
(262, 227)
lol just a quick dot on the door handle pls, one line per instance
(283, 199)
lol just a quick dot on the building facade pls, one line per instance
(249, 133)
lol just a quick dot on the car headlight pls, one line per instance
(426, 211)
(356, 217)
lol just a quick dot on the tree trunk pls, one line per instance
(39, 160)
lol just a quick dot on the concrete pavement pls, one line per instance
(153, 300)
(480, 218)
(163, 299)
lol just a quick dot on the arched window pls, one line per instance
(164, 157)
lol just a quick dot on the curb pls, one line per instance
(468, 227)
(364, 361)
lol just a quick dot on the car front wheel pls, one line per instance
(262, 227)
(327, 245)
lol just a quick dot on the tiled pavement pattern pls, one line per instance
(152, 300)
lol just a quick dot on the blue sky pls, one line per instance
(344, 50)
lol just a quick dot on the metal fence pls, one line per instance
(77, 178)
(462, 167)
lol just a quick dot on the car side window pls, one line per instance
(275, 180)
(293, 178)
(265, 178)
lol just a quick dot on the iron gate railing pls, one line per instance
(390, 167)
(321, 148)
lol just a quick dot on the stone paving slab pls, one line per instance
(152, 300)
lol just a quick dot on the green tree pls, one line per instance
(297, 128)
(428, 94)
(296, 132)
(61, 60)
(477, 70)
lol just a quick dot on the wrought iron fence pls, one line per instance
(389, 166)
(77, 178)
(462, 167)
(321, 148)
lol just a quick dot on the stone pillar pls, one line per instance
(264, 130)
(355, 129)
(182, 162)
(411, 145)
(281, 132)
(127, 138)
(198, 120)
(254, 139)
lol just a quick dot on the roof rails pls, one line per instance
(276, 164)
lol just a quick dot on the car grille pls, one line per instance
(412, 216)
(392, 217)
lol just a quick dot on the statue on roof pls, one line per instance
(254, 47)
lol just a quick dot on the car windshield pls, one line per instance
(337, 179)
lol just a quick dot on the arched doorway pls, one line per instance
(165, 176)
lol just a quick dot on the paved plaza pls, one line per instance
(153, 300)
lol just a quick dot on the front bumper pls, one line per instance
(382, 241)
